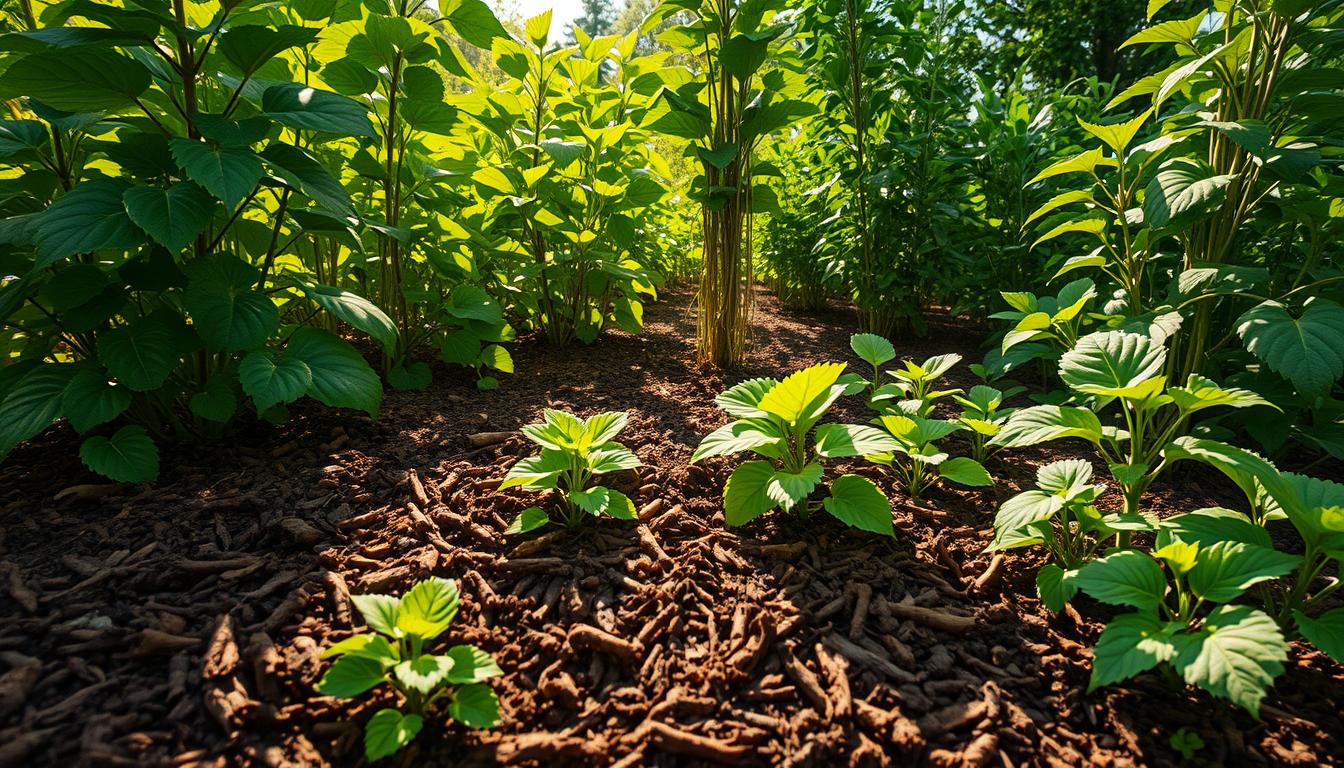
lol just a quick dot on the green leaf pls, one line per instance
(797, 395)
(84, 79)
(1206, 527)
(33, 403)
(350, 676)
(538, 28)
(1066, 478)
(471, 665)
(1182, 192)
(872, 349)
(89, 400)
(474, 22)
(841, 440)
(226, 311)
(745, 495)
(140, 356)
(91, 217)
(498, 358)
(428, 608)
(424, 673)
(528, 520)
(379, 612)
(602, 428)
(737, 436)
(172, 216)
(612, 458)
(475, 706)
(719, 157)
(858, 502)
(1115, 364)
(301, 107)
(249, 46)
(787, 488)
(1226, 569)
(743, 400)
(410, 376)
(1130, 644)
(1249, 471)
(370, 645)
(1117, 136)
(228, 173)
(216, 402)
(129, 456)
(1200, 393)
(1084, 162)
(1056, 586)
(388, 731)
(1308, 350)
(1126, 577)
(1043, 423)
(355, 310)
(304, 174)
(965, 471)
(1014, 523)
(273, 378)
(1326, 631)
(341, 377)
(1235, 654)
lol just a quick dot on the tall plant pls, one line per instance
(731, 103)
(160, 173)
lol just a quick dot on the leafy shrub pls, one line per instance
(1184, 615)
(1059, 514)
(394, 653)
(1125, 369)
(774, 420)
(149, 212)
(573, 452)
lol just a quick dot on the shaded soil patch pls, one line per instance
(182, 624)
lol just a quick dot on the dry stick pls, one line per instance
(929, 617)
(586, 636)
(484, 439)
(866, 658)
(807, 683)
(677, 741)
(991, 573)
(863, 595)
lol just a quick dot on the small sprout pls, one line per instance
(573, 452)
(394, 653)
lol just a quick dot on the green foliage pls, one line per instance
(395, 654)
(1184, 618)
(574, 452)
(1060, 515)
(1125, 369)
(774, 420)
(154, 190)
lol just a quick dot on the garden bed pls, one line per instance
(181, 624)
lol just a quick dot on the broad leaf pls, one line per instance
(273, 378)
(787, 489)
(1114, 364)
(858, 502)
(388, 731)
(428, 608)
(1126, 577)
(350, 676)
(1130, 644)
(475, 706)
(227, 312)
(1235, 654)
(305, 108)
(1308, 350)
(341, 377)
(745, 495)
(172, 216)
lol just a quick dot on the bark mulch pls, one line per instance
(181, 625)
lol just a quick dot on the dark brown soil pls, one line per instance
(181, 624)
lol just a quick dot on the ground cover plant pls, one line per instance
(910, 382)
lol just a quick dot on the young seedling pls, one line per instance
(574, 452)
(918, 461)
(1182, 595)
(774, 421)
(912, 393)
(394, 653)
(1059, 515)
(1126, 369)
(983, 416)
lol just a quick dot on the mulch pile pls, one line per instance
(181, 625)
